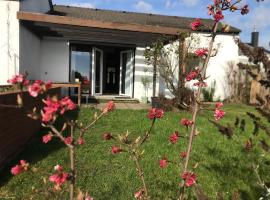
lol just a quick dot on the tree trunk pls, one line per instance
(154, 75)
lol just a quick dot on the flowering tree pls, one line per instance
(199, 74)
(48, 115)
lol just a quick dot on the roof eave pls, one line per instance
(39, 17)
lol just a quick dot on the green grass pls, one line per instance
(223, 164)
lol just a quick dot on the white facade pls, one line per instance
(225, 54)
(226, 51)
(19, 48)
(48, 59)
(9, 40)
(142, 70)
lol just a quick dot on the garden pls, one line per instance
(181, 148)
(223, 165)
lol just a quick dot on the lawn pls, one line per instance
(223, 167)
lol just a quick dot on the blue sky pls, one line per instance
(257, 17)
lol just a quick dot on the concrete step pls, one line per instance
(116, 99)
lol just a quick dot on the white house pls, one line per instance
(103, 49)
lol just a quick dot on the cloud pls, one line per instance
(143, 6)
(85, 5)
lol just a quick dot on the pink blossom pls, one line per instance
(40, 82)
(58, 168)
(201, 52)
(155, 113)
(174, 137)
(47, 138)
(186, 122)
(68, 140)
(116, 150)
(80, 141)
(39, 87)
(219, 105)
(18, 169)
(48, 85)
(88, 198)
(219, 114)
(192, 75)
(139, 194)
(59, 178)
(200, 84)
(67, 104)
(50, 110)
(18, 79)
(196, 24)
(47, 117)
(218, 16)
(189, 178)
(210, 9)
(53, 107)
(163, 163)
(110, 106)
(34, 89)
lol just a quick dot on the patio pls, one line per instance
(124, 106)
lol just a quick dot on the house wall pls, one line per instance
(219, 65)
(35, 6)
(140, 67)
(54, 60)
(19, 48)
(30, 46)
(9, 40)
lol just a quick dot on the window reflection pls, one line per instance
(81, 62)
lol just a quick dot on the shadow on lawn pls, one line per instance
(235, 170)
(35, 150)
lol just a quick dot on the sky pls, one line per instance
(258, 18)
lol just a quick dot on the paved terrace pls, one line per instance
(131, 106)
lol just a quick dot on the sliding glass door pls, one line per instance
(97, 71)
(81, 67)
(87, 68)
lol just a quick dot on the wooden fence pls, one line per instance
(16, 129)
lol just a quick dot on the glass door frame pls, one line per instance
(94, 65)
(72, 69)
(131, 74)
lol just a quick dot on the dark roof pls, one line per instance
(265, 50)
(49, 1)
(131, 17)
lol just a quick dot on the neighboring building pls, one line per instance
(101, 48)
(255, 88)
